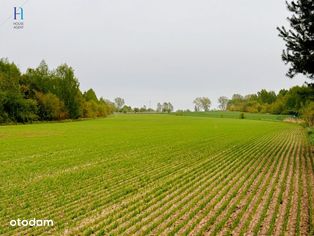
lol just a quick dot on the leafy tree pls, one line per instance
(167, 107)
(299, 52)
(197, 104)
(282, 93)
(170, 107)
(237, 97)
(50, 107)
(108, 106)
(126, 109)
(251, 97)
(223, 102)
(143, 109)
(266, 97)
(97, 108)
(18, 109)
(90, 109)
(278, 106)
(159, 107)
(202, 103)
(206, 103)
(13, 106)
(68, 90)
(308, 113)
(26, 110)
(37, 80)
(296, 98)
(119, 102)
(90, 95)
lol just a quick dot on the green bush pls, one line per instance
(308, 114)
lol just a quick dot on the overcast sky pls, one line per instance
(148, 51)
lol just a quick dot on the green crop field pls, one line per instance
(235, 115)
(157, 175)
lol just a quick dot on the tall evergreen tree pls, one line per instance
(299, 38)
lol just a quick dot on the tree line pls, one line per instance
(43, 94)
(292, 102)
(120, 106)
(297, 101)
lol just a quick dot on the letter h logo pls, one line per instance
(18, 11)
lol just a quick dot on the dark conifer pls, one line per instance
(299, 52)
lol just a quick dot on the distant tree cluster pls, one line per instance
(43, 94)
(128, 109)
(298, 101)
(120, 106)
(143, 109)
(165, 107)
